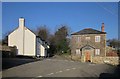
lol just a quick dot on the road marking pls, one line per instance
(60, 71)
(50, 74)
(73, 68)
(56, 72)
(40, 76)
(67, 69)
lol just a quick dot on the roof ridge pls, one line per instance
(88, 31)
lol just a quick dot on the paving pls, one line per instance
(55, 67)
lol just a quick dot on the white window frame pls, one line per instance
(78, 38)
(77, 51)
(87, 38)
(97, 38)
(97, 52)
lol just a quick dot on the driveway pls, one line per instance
(54, 67)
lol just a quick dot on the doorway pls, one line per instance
(87, 56)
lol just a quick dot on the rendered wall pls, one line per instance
(38, 46)
(29, 43)
(16, 39)
(42, 50)
(24, 40)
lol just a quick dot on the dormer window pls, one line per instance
(97, 38)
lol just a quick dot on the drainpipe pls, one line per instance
(105, 46)
(23, 40)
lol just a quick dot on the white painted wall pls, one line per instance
(11, 40)
(42, 53)
(16, 39)
(26, 41)
(23, 39)
(29, 43)
(38, 47)
(41, 48)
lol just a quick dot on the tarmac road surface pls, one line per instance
(54, 67)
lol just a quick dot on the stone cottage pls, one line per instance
(88, 43)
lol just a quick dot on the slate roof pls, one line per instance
(88, 31)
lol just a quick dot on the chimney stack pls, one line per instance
(103, 28)
(21, 22)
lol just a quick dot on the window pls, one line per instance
(77, 51)
(97, 51)
(78, 39)
(97, 38)
(87, 38)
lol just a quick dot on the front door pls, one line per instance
(87, 57)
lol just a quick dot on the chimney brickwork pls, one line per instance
(103, 28)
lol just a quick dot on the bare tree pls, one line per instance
(5, 38)
(59, 41)
(43, 32)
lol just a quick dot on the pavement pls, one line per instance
(57, 67)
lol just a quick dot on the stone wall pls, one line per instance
(82, 41)
(108, 60)
(97, 59)
(75, 57)
(8, 51)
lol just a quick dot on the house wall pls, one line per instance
(82, 42)
(84, 54)
(37, 46)
(16, 39)
(41, 48)
(42, 51)
(24, 40)
(29, 43)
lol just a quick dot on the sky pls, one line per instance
(76, 15)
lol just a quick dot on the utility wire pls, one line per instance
(108, 10)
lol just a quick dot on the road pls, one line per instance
(54, 67)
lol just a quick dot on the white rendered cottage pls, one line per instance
(26, 41)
